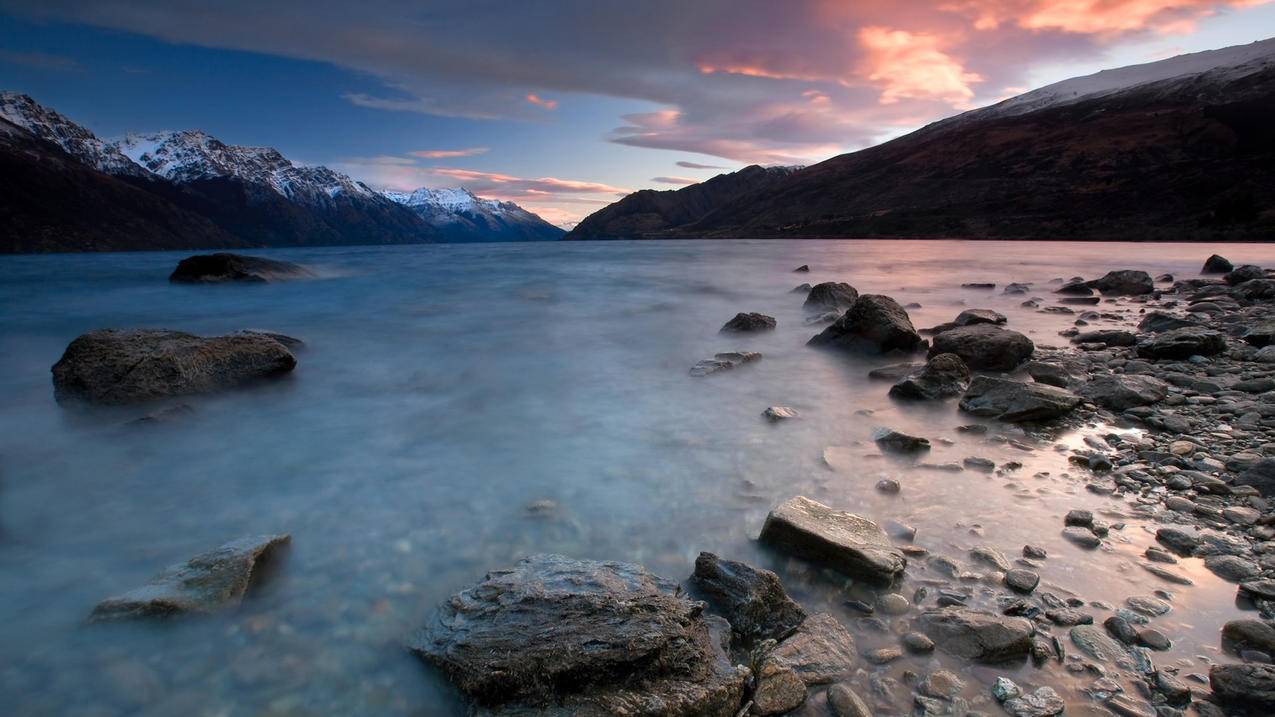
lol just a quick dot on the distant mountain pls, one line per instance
(1181, 149)
(75, 140)
(650, 212)
(459, 216)
(52, 201)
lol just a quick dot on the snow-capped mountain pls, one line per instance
(1222, 65)
(464, 217)
(192, 155)
(74, 139)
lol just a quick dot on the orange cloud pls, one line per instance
(1096, 17)
(448, 153)
(539, 102)
(912, 65)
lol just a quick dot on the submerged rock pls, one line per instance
(1183, 343)
(116, 367)
(1120, 392)
(984, 347)
(943, 376)
(222, 267)
(582, 637)
(753, 600)
(978, 636)
(204, 584)
(1014, 401)
(748, 323)
(841, 540)
(775, 414)
(875, 324)
(723, 362)
(831, 295)
(894, 441)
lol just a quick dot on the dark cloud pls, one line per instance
(683, 181)
(696, 165)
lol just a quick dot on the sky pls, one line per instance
(564, 106)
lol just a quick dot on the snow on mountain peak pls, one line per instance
(75, 140)
(457, 207)
(1229, 62)
(193, 155)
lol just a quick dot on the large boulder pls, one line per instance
(1248, 272)
(1125, 282)
(206, 583)
(944, 376)
(844, 541)
(1217, 264)
(984, 347)
(1249, 684)
(979, 636)
(748, 323)
(222, 267)
(1182, 343)
(834, 295)
(554, 635)
(1119, 392)
(1015, 401)
(752, 599)
(875, 325)
(116, 367)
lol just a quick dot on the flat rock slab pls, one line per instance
(554, 635)
(844, 541)
(204, 584)
(223, 267)
(751, 599)
(1015, 401)
(130, 366)
(820, 652)
(979, 636)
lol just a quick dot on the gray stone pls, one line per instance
(1182, 343)
(749, 323)
(1017, 402)
(751, 599)
(119, 367)
(944, 376)
(206, 583)
(1125, 282)
(975, 635)
(819, 652)
(1044, 702)
(891, 440)
(1094, 642)
(1246, 684)
(874, 325)
(724, 362)
(841, 540)
(984, 347)
(831, 295)
(583, 637)
(1021, 580)
(1120, 392)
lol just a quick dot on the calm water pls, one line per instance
(443, 389)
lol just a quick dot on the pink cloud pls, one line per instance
(449, 153)
(539, 102)
(914, 66)
(675, 180)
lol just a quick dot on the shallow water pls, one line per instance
(442, 390)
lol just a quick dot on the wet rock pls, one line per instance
(1034, 552)
(776, 414)
(1106, 337)
(751, 599)
(831, 295)
(1246, 684)
(969, 317)
(1179, 540)
(895, 371)
(1182, 343)
(581, 636)
(1154, 639)
(1022, 580)
(944, 376)
(1125, 282)
(803, 268)
(1120, 392)
(978, 463)
(941, 684)
(1082, 537)
(874, 325)
(1044, 702)
(127, 366)
(222, 267)
(1075, 287)
(819, 652)
(1258, 589)
(204, 584)
(779, 689)
(845, 702)
(1259, 334)
(1232, 567)
(1125, 706)
(749, 323)
(1260, 475)
(990, 557)
(896, 442)
(1121, 629)
(984, 347)
(1094, 642)
(1248, 272)
(1217, 264)
(1154, 607)
(917, 643)
(1241, 635)
(724, 362)
(977, 635)
(1014, 401)
(841, 540)
(1049, 373)
(1157, 322)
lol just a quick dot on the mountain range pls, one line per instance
(1180, 149)
(64, 189)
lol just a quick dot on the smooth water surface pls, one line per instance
(442, 390)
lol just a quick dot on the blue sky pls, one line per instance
(563, 106)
